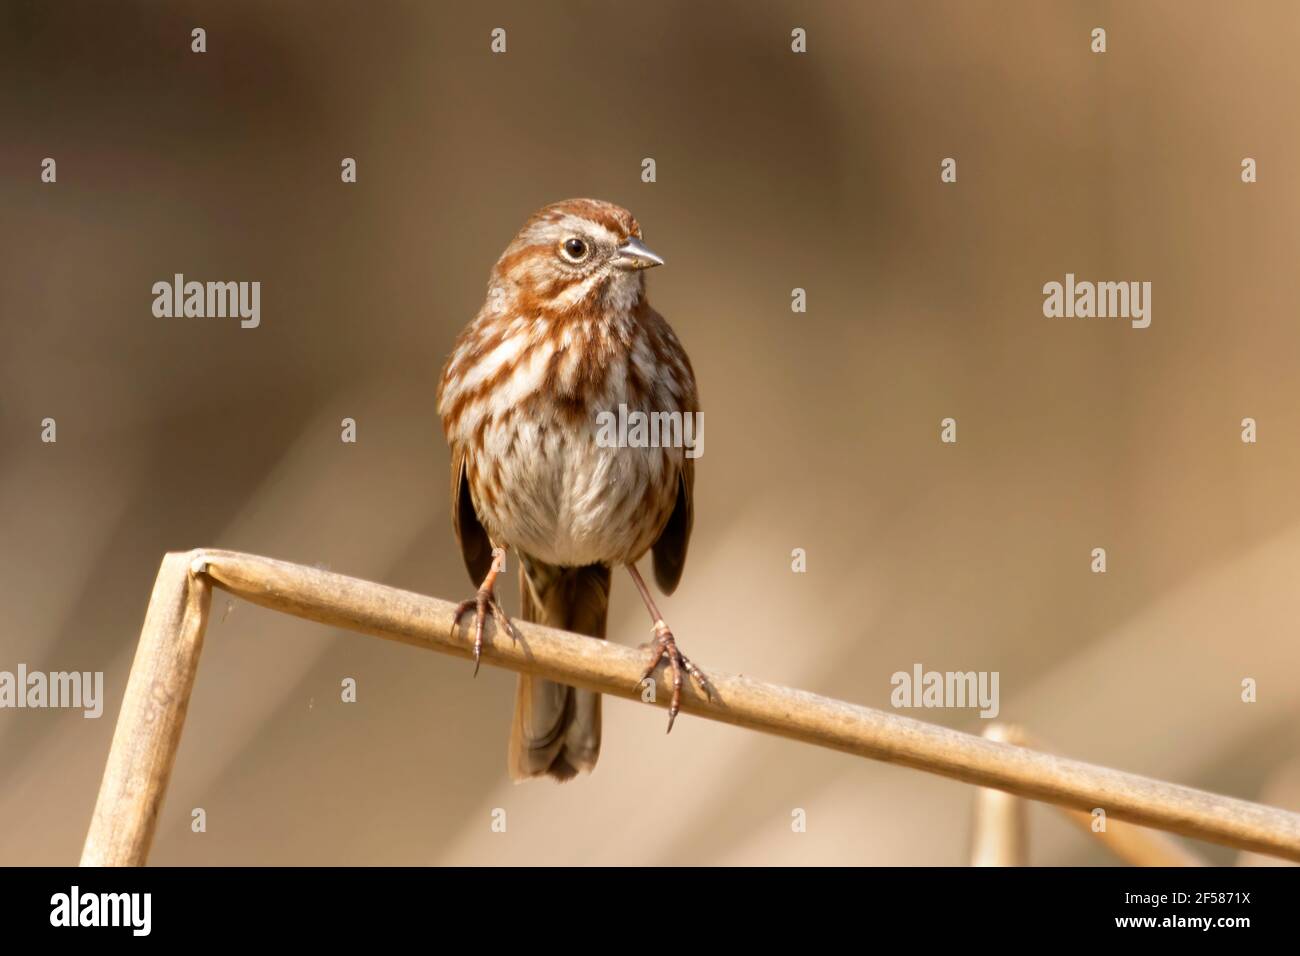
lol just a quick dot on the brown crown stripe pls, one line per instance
(614, 218)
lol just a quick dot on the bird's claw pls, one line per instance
(665, 645)
(483, 602)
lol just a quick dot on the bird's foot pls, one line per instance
(665, 645)
(483, 602)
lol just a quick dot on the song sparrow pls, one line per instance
(565, 334)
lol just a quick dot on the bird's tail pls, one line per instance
(556, 728)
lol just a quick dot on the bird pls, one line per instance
(564, 336)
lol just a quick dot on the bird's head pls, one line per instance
(577, 255)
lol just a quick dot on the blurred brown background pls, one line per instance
(774, 171)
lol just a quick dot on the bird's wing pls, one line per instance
(670, 549)
(475, 546)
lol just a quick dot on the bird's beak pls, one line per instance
(635, 254)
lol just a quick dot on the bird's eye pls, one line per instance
(575, 250)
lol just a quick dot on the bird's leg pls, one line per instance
(665, 645)
(482, 602)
